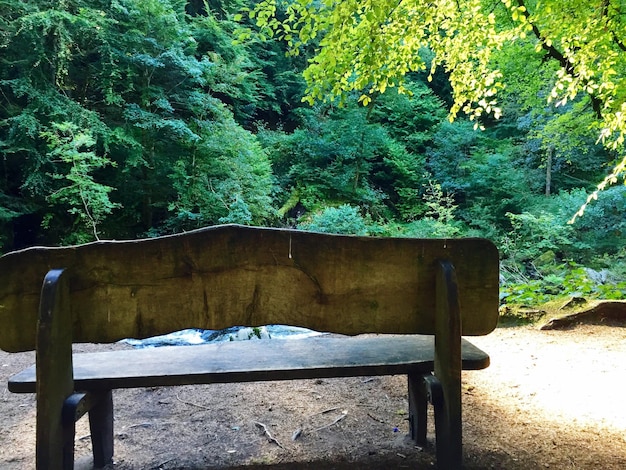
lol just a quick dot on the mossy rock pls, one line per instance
(545, 259)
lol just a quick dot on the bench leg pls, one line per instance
(74, 407)
(418, 409)
(101, 427)
(69, 435)
(447, 426)
(425, 389)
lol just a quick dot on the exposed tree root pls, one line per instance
(605, 312)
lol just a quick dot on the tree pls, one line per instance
(87, 199)
(111, 112)
(355, 156)
(370, 46)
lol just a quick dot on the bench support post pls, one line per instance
(443, 388)
(448, 422)
(54, 375)
(58, 407)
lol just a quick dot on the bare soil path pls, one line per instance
(550, 399)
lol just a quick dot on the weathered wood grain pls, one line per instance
(234, 275)
(249, 361)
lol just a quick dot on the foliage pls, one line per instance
(440, 205)
(603, 228)
(543, 253)
(344, 219)
(438, 220)
(409, 118)
(481, 170)
(571, 281)
(537, 233)
(543, 227)
(226, 179)
(370, 46)
(155, 84)
(338, 156)
(132, 118)
(87, 199)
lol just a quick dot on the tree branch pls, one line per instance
(563, 61)
(605, 13)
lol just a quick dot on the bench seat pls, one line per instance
(258, 360)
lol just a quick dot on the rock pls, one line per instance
(544, 259)
(599, 277)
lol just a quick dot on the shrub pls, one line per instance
(344, 219)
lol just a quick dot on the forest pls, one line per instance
(123, 119)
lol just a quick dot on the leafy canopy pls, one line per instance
(371, 45)
(126, 118)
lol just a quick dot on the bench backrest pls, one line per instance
(231, 275)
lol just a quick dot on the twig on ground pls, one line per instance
(324, 411)
(268, 435)
(139, 425)
(192, 404)
(301, 432)
(337, 419)
(378, 420)
(160, 465)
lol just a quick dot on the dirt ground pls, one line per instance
(550, 399)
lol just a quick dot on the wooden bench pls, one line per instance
(419, 295)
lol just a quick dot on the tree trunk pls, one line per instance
(549, 172)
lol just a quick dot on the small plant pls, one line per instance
(256, 331)
(572, 281)
(343, 219)
(440, 204)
